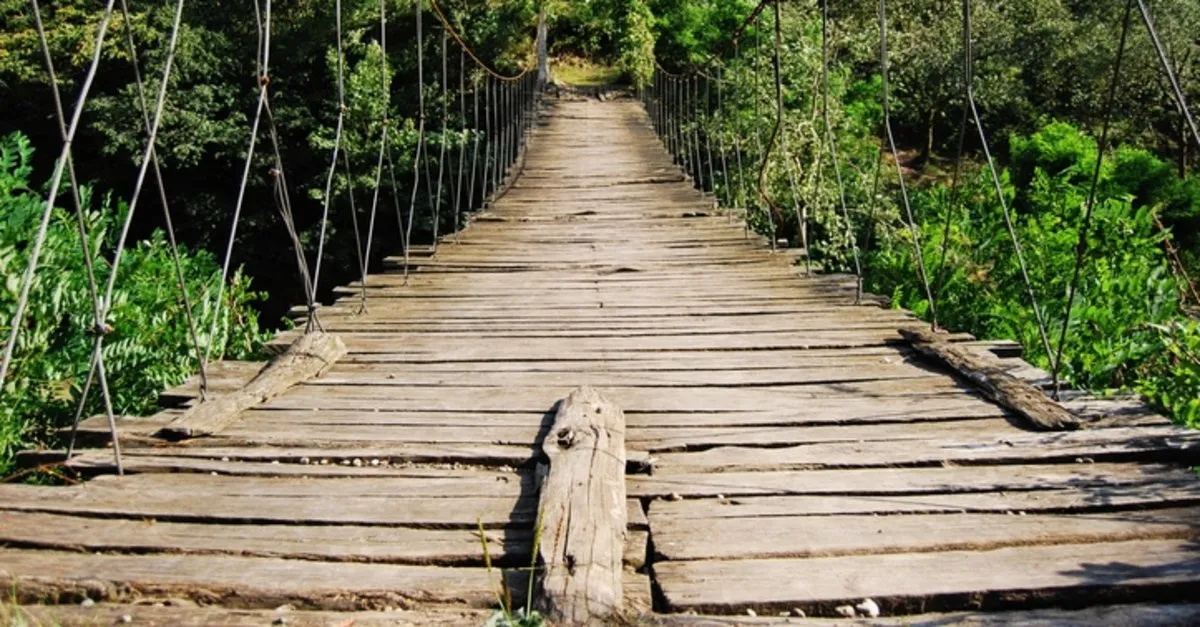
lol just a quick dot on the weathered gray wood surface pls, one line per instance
(307, 357)
(582, 512)
(1000, 386)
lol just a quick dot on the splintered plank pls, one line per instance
(34, 576)
(1000, 386)
(582, 512)
(821, 536)
(308, 357)
(908, 582)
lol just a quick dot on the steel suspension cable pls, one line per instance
(772, 208)
(1176, 90)
(1009, 225)
(476, 137)
(831, 137)
(168, 222)
(84, 239)
(462, 143)
(437, 205)
(955, 181)
(708, 129)
(1086, 225)
(412, 206)
(891, 139)
(333, 162)
(383, 157)
(56, 182)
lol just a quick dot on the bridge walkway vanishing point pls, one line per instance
(788, 451)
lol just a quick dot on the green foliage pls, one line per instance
(149, 348)
(636, 45)
(1127, 292)
(1127, 327)
(1171, 377)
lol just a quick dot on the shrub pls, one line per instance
(149, 348)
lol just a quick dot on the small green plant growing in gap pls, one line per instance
(505, 616)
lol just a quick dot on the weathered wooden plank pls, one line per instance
(883, 481)
(906, 582)
(308, 357)
(967, 442)
(582, 512)
(183, 614)
(341, 543)
(1084, 498)
(417, 512)
(1132, 615)
(656, 379)
(34, 576)
(826, 536)
(224, 377)
(1011, 392)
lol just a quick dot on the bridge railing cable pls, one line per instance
(711, 117)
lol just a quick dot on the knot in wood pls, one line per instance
(565, 437)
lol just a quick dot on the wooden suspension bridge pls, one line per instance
(771, 448)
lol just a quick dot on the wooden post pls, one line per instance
(583, 512)
(306, 358)
(1008, 391)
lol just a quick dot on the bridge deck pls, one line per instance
(802, 457)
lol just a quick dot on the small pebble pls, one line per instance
(125, 618)
(86, 603)
(798, 613)
(324, 462)
(357, 462)
(392, 376)
(275, 462)
(674, 496)
(751, 613)
(304, 460)
(845, 611)
(868, 608)
(345, 462)
(374, 462)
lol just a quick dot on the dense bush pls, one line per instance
(149, 348)
(1129, 327)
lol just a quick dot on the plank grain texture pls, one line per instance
(1021, 397)
(307, 357)
(582, 512)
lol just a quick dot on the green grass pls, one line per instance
(581, 73)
